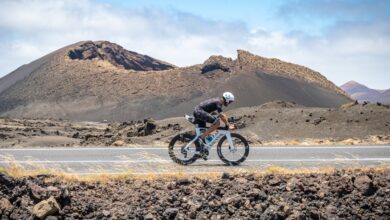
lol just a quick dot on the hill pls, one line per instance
(100, 80)
(361, 92)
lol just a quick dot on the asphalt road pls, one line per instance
(147, 160)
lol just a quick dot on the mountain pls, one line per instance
(361, 92)
(102, 81)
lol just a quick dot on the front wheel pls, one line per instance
(177, 150)
(230, 155)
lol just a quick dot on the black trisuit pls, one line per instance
(203, 110)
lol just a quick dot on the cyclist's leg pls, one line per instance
(214, 125)
(198, 117)
(207, 117)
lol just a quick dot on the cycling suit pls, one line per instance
(203, 110)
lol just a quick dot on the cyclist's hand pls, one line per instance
(231, 127)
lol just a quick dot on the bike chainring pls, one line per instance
(184, 152)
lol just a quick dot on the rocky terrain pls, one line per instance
(95, 81)
(362, 93)
(352, 194)
(273, 123)
(117, 56)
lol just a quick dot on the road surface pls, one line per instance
(147, 160)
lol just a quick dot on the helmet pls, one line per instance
(228, 96)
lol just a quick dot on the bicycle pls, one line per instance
(184, 148)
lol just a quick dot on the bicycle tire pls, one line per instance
(239, 161)
(183, 138)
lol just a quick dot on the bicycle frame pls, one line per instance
(219, 133)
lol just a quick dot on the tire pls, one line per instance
(176, 145)
(243, 147)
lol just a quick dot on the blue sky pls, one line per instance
(265, 14)
(343, 40)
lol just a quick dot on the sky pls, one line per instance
(343, 40)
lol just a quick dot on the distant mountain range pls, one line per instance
(361, 92)
(100, 80)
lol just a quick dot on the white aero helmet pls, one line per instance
(228, 96)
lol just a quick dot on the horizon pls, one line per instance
(339, 39)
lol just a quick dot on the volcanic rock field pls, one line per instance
(342, 194)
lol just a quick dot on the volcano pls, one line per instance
(100, 80)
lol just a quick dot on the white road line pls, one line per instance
(82, 148)
(87, 161)
(169, 161)
(322, 160)
(165, 148)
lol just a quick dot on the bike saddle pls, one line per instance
(194, 121)
(190, 118)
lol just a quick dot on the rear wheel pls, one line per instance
(230, 156)
(177, 152)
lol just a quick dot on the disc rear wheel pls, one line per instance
(179, 153)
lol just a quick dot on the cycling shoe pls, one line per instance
(201, 144)
(204, 154)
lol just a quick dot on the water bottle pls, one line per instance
(209, 138)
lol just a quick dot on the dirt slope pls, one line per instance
(271, 123)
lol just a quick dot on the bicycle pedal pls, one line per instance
(204, 154)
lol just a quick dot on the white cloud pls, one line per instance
(272, 41)
(30, 29)
(25, 49)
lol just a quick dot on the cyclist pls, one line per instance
(202, 113)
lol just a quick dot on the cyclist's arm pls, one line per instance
(224, 118)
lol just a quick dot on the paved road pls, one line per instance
(156, 160)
